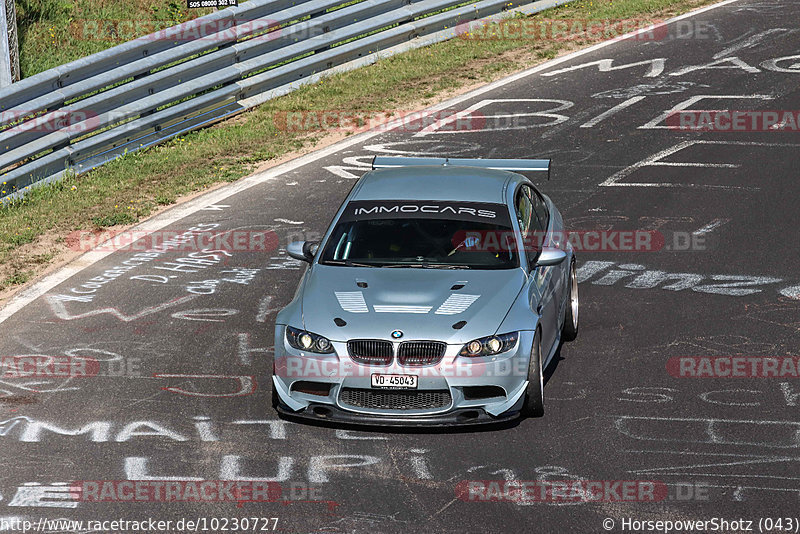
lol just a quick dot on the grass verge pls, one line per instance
(33, 231)
(55, 32)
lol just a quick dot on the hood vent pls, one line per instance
(340, 322)
(459, 325)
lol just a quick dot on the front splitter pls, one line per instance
(459, 417)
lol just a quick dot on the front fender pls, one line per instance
(522, 315)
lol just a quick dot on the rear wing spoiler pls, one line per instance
(516, 165)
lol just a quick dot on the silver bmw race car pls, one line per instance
(438, 295)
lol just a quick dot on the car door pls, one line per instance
(540, 283)
(555, 239)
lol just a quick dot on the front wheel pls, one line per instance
(570, 329)
(534, 394)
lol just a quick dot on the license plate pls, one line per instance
(394, 381)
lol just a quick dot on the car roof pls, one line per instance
(469, 184)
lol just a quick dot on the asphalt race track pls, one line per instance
(183, 348)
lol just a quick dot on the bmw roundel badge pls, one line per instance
(397, 334)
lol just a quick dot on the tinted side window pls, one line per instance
(539, 207)
(538, 219)
(525, 216)
(529, 226)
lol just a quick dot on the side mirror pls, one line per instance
(551, 256)
(302, 250)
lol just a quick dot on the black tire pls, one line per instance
(570, 328)
(534, 394)
(276, 400)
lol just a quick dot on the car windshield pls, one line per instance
(422, 234)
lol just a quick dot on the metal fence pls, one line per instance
(78, 116)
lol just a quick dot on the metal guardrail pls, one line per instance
(78, 116)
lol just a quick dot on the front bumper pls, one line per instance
(507, 372)
(460, 417)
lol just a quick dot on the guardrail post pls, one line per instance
(9, 52)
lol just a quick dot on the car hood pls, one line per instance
(420, 302)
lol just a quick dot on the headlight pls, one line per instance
(490, 345)
(302, 340)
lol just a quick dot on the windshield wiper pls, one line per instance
(446, 266)
(426, 266)
(400, 265)
(346, 263)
